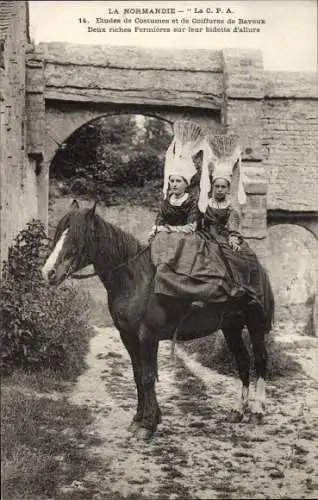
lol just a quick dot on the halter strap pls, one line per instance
(123, 264)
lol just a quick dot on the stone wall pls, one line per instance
(275, 115)
(18, 185)
(221, 90)
(292, 262)
(54, 89)
(289, 138)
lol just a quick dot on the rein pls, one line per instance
(82, 276)
(123, 264)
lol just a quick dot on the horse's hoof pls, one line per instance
(144, 434)
(236, 416)
(257, 413)
(256, 418)
(133, 426)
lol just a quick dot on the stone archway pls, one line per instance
(64, 121)
(83, 83)
(292, 264)
(115, 157)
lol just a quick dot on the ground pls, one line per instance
(197, 452)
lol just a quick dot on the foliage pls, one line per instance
(40, 326)
(114, 156)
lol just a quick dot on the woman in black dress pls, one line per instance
(179, 211)
(188, 267)
(221, 223)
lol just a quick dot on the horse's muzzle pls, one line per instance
(53, 278)
(51, 275)
(55, 275)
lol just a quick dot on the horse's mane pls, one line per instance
(116, 242)
(122, 241)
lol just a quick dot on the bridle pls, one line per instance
(115, 269)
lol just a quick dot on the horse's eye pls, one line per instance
(68, 254)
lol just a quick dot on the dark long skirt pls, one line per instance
(194, 267)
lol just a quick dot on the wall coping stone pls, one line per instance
(132, 57)
(255, 180)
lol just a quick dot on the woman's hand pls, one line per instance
(163, 229)
(158, 229)
(187, 228)
(235, 242)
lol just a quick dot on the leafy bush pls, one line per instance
(40, 326)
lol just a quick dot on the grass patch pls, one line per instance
(43, 439)
(43, 381)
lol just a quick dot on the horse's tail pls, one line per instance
(270, 316)
(269, 303)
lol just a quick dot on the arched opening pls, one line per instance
(110, 154)
(117, 159)
(292, 263)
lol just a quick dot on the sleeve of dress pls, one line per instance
(233, 223)
(160, 219)
(194, 214)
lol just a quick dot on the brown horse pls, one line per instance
(143, 318)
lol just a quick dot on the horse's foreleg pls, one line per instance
(132, 345)
(148, 359)
(233, 336)
(137, 418)
(257, 334)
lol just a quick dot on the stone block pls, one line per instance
(254, 222)
(35, 123)
(132, 57)
(243, 73)
(244, 118)
(256, 201)
(255, 180)
(254, 232)
(166, 88)
(291, 84)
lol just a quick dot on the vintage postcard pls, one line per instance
(159, 225)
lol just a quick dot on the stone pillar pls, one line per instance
(2, 142)
(254, 213)
(43, 193)
(241, 115)
(35, 102)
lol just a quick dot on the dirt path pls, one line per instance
(197, 453)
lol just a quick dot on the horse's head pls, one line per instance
(70, 252)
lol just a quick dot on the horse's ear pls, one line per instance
(74, 205)
(93, 209)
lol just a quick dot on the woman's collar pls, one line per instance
(213, 203)
(176, 202)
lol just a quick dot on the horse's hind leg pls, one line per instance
(256, 330)
(233, 336)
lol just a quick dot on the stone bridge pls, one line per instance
(51, 90)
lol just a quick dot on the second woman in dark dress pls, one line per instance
(221, 223)
(204, 260)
